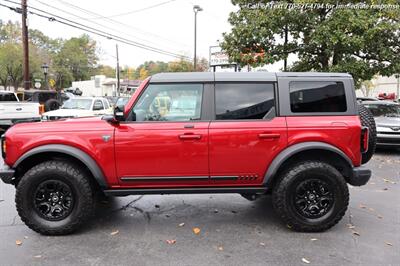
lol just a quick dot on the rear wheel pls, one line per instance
(367, 120)
(55, 198)
(311, 196)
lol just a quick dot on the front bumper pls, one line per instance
(7, 174)
(360, 177)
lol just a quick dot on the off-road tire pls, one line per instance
(367, 120)
(68, 173)
(284, 193)
(51, 104)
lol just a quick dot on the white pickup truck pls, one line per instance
(13, 111)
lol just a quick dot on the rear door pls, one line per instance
(246, 133)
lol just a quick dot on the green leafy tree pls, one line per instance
(363, 42)
(105, 70)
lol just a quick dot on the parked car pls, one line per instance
(364, 99)
(200, 133)
(387, 96)
(122, 101)
(48, 99)
(387, 119)
(112, 100)
(13, 111)
(80, 107)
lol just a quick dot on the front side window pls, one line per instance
(317, 97)
(237, 101)
(170, 102)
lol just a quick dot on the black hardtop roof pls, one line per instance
(236, 76)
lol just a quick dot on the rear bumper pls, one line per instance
(385, 140)
(7, 174)
(360, 177)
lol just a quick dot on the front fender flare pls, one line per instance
(71, 151)
(292, 150)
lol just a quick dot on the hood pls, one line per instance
(387, 121)
(69, 113)
(63, 125)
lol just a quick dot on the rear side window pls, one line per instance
(317, 97)
(237, 101)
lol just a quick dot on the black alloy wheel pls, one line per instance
(313, 198)
(53, 200)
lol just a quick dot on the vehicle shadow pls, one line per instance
(227, 210)
(387, 151)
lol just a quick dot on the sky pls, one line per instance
(164, 24)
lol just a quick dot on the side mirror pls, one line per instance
(119, 113)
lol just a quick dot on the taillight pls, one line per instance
(364, 139)
(41, 109)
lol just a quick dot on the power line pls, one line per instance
(93, 22)
(135, 11)
(118, 22)
(56, 18)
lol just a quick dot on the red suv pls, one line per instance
(298, 136)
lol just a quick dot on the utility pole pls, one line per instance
(117, 71)
(27, 81)
(196, 9)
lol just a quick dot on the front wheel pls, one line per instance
(311, 196)
(55, 198)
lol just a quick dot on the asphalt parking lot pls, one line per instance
(233, 231)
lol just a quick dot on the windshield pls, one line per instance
(384, 110)
(82, 104)
(122, 101)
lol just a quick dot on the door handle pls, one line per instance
(189, 136)
(269, 135)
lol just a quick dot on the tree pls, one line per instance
(105, 70)
(78, 55)
(143, 73)
(181, 65)
(363, 42)
(69, 60)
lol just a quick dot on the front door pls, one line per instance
(245, 135)
(167, 143)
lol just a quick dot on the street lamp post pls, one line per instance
(196, 9)
(45, 68)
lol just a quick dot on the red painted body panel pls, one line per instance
(84, 133)
(245, 149)
(343, 132)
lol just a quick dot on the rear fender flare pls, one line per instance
(292, 150)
